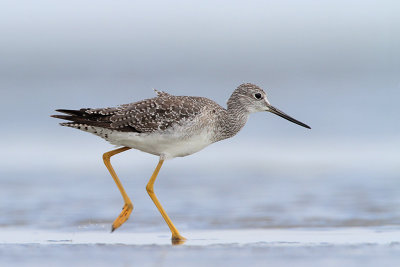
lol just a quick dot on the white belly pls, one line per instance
(168, 145)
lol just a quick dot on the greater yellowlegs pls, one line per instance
(168, 126)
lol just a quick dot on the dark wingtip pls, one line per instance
(63, 110)
(64, 117)
(72, 112)
(57, 116)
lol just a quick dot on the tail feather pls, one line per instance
(63, 117)
(80, 112)
(79, 119)
(82, 117)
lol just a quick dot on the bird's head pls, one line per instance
(252, 98)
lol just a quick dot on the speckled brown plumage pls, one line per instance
(146, 116)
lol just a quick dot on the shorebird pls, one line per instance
(168, 126)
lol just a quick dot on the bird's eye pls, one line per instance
(257, 96)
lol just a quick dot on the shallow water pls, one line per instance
(230, 217)
(209, 201)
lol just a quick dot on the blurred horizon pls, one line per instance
(334, 65)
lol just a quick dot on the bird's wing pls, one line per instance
(157, 113)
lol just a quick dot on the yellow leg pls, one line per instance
(176, 237)
(128, 207)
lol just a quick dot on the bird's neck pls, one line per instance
(232, 122)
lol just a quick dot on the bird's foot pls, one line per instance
(177, 239)
(123, 216)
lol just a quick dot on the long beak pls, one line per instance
(285, 116)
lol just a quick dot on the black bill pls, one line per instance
(285, 116)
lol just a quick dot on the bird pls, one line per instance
(168, 126)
